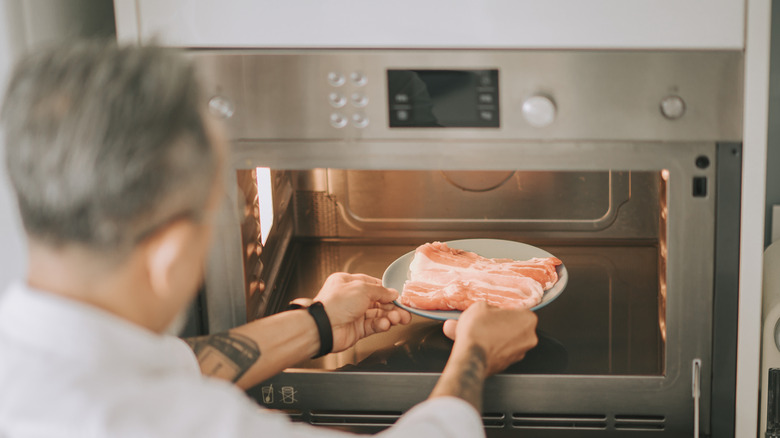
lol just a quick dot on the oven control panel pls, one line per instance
(478, 95)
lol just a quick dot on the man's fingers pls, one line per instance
(449, 328)
(372, 287)
(381, 325)
(367, 279)
(406, 317)
(376, 325)
(399, 316)
(380, 293)
(394, 317)
(387, 307)
(374, 313)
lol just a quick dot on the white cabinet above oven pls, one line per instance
(602, 24)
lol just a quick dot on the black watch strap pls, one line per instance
(317, 311)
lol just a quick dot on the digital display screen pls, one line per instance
(443, 98)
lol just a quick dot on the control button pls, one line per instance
(360, 121)
(337, 120)
(337, 100)
(359, 100)
(402, 115)
(486, 115)
(336, 79)
(485, 98)
(539, 111)
(672, 107)
(485, 81)
(221, 107)
(401, 98)
(358, 78)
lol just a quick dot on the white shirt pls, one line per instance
(68, 369)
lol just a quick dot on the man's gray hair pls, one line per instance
(106, 144)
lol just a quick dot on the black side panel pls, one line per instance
(726, 299)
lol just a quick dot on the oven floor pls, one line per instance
(606, 322)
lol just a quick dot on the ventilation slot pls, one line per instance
(353, 418)
(493, 421)
(560, 421)
(640, 422)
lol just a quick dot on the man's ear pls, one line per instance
(165, 252)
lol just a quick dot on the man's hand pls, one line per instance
(487, 340)
(358, 306)
(504, 335)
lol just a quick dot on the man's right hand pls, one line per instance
(505, 335)
(487, 340)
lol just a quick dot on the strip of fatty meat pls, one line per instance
(444, 278)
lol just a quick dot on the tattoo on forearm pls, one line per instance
(225, 355)
(471, 380)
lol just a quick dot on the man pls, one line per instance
(116, 171)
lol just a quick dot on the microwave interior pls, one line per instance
(608, 228)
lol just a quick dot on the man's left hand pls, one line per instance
(358, 306)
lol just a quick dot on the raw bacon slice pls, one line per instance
(438, 257)
(444, 278)
(459, 295)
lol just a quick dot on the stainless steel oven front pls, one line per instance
(625, 165)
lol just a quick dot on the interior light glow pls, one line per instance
(265, 201)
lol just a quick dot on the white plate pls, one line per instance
(398, 272)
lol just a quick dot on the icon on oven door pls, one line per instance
(288, 394)
(268, 394)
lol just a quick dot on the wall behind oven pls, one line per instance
(10, 229)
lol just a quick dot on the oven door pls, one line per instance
(629, 346)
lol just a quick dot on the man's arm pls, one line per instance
(487, 340)
(357, 306)
(227, 355)
(249, 354)
(464, 376)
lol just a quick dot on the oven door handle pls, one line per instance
(696, 390)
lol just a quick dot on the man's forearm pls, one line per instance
(464, 376)
(254, 352)
(225, 355)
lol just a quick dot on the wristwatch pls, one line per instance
(317, 311)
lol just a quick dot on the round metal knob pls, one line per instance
(539, 111)
(222, 107)
(672, 107)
